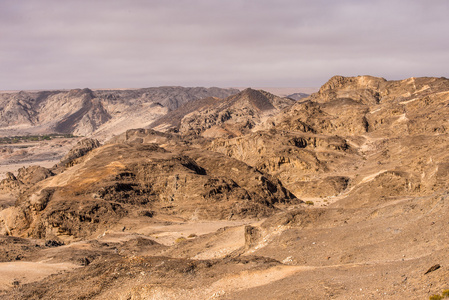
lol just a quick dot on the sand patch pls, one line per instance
(23, 272)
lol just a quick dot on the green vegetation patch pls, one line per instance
(33, 138)
(444, 295)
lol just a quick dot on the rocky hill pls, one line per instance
(341, 195)
(299, 160)
(234, 116)
(298, 96)
(103, 185)
(360, 105)
(101, 113)
(172, 120)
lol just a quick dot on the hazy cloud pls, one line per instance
(106, 43)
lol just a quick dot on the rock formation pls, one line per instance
(124, 179)
(236, 115)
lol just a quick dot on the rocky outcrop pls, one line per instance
(33, 174)
(338, 117)
(295, 158)
(172, 120)
(321, 188)
(81, 148)
(358, 105)
(234, 116)
(140, 136)
(362, 89)
(119, 180)
(27, 177)
(10, 184)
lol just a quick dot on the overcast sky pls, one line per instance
(51, 44)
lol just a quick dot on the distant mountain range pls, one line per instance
(102, 113)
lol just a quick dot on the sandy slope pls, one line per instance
(22, 272)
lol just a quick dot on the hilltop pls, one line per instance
(236, 115)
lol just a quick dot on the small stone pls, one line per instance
(433, 268)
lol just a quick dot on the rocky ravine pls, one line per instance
(195, 216)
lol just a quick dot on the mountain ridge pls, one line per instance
(84, 111)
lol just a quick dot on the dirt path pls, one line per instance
(247, 280)
(167, 234)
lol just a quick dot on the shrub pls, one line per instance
(309, 202)
(444, 294)
(180, 240)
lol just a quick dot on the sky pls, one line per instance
(54, 44)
